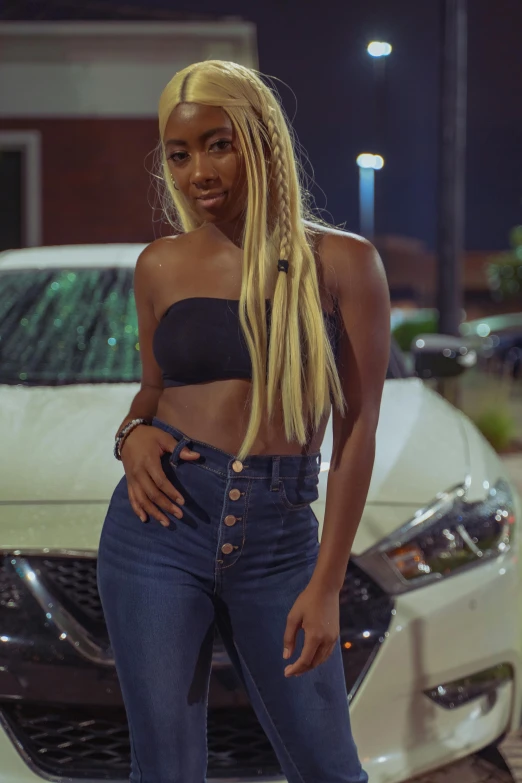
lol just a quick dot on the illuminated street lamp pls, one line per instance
(379, 52)
(368, 165)
(379, 49)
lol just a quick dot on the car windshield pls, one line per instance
(69, 326)
(61, 326)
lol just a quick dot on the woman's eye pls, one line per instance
(177, 157)
(222, 145)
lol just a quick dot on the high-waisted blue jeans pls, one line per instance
(244, 550)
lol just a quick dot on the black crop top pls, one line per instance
(200, 339)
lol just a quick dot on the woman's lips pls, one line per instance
(212, 202)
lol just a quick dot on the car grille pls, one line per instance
(73, 583)
(363, 604)
(76, 579)
(94, 743)
(364, 608)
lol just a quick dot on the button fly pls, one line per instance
(237, 466)
(227, 549)
(234, 494)
(230, 520)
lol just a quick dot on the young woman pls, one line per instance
(253, 323)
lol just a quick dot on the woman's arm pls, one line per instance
(363, 298)
(364, 303)
(150, 492)
(145, 403)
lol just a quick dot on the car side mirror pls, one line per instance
(441, 356)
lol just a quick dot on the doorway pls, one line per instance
(20, 189)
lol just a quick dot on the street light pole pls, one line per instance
(452, 172)
(379, 51)
(368, 165)
(452, 164)
(367, 202)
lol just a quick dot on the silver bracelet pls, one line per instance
(125, 432)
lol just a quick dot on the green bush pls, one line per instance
(497, 425)
(505, 269)
(407, 331)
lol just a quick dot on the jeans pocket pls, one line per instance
(299, 492)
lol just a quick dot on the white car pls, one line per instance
(430, 610)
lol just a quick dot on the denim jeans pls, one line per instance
(244, 550)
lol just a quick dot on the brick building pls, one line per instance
(78, 123)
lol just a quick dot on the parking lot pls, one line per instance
(481, 770)
(472, 771)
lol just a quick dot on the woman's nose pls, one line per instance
(203, 170)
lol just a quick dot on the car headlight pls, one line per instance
(446, 537)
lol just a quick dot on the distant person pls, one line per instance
(253, 324)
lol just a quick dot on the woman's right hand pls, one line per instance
(149, 488)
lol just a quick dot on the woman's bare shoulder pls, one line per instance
(342, 255)
(328, 239)
(172, 248)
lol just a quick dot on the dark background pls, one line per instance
(319, 50)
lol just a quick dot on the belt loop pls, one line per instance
(274, 486)
(162, 425)
(174, 457)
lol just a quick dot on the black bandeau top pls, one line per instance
(200, 339)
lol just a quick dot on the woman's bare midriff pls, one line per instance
(217, 413)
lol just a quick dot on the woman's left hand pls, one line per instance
(316, 611)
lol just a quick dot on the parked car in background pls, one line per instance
(430, 608)
(497, 339)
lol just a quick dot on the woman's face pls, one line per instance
(205, 162)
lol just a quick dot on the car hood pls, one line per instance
(57, 472)
(421, 450)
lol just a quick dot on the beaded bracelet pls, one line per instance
(125, 432)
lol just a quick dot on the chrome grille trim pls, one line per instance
(63, 621)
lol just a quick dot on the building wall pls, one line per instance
(96, 185)
(411, 270)
(100, 69)
(91, 91)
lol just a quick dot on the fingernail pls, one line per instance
(180, 502)
(286, 653)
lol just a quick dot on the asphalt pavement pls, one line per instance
(472, 770)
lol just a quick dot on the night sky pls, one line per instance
(319, 50)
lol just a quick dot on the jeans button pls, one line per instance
(227, 549)
(234, 494)
(230, 520)
(237, 466)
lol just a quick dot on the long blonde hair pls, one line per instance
(274, 229)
